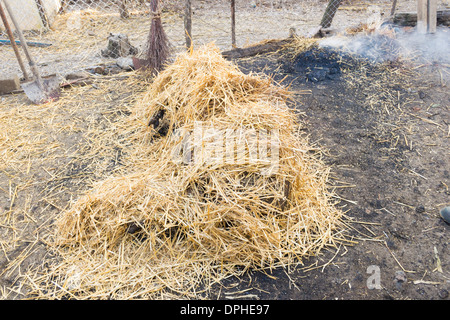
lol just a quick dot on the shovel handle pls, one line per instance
(31, 62)
(13, 43)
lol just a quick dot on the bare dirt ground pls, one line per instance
(392, 170)
(386, 141)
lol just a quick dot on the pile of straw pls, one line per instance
(170, 226)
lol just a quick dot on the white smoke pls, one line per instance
(390, 43)
(434, 48)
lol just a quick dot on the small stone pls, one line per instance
(118, 46)
(445, 214)
(400, 276)
(399, 279)
(9, 85)
(443, 294)
(77, 75)
(318, 74)
(100, 70)
(125, 63)
(420, 209)
(422, 94)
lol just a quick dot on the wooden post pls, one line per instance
(393, 8)
(233, 24)
(426, 16)
(422, 16)
(432, 16)
(329, 13)
(409, 19)
(188, 23)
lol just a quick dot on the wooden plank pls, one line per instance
(432, 16)
(409, 19)
(422, 16)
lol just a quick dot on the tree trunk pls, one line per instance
(188, 23)
(329, 13)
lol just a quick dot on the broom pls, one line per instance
(157, 47)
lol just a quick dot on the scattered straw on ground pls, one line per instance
(49, 154)
(170, 229)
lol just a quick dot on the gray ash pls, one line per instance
(333, 55)
(319, 64)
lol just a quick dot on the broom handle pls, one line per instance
(24, 45)
(13, 42)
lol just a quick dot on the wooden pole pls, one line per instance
(13, 43)
(31, 61)
(426, 16)
(432, 16)
(188, 23)
(233, 24)
(422, 16)
(393, 8)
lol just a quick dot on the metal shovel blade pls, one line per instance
(47, 92)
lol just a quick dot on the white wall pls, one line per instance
(51, 8)
(27, 13)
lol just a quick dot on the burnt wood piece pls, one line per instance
(156, 121)
(267, 46)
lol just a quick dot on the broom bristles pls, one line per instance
(157, 47)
